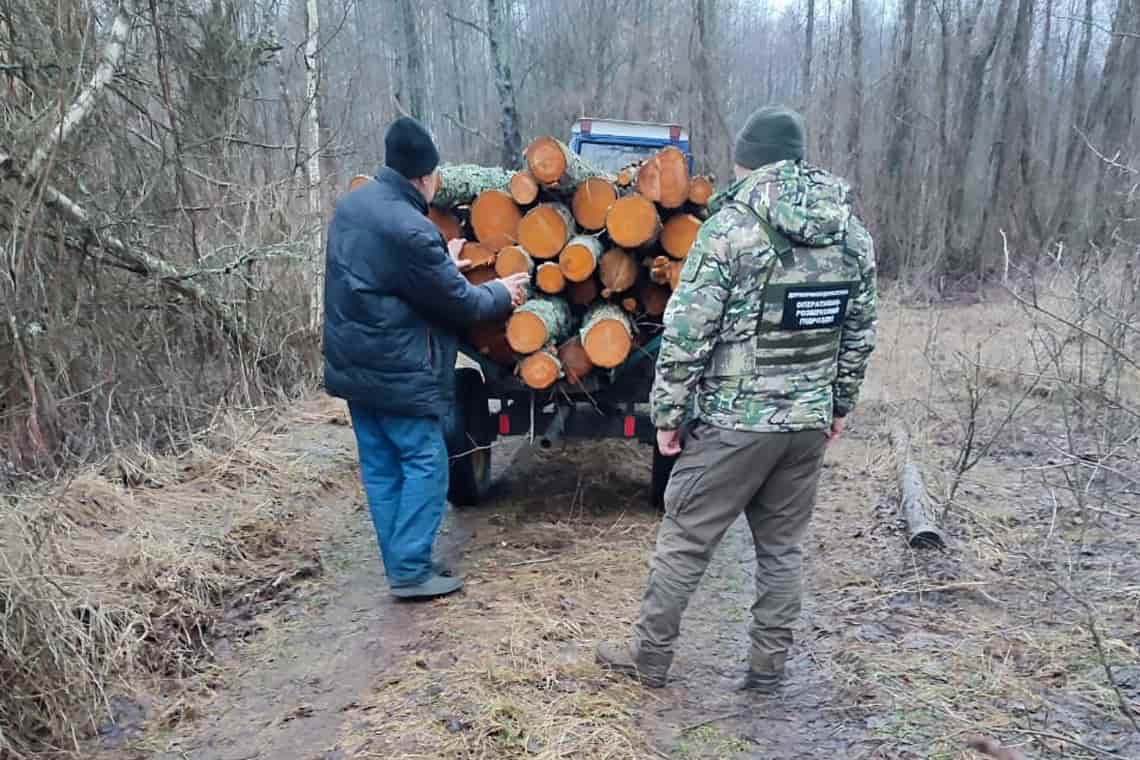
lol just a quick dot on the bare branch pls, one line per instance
(481, 29)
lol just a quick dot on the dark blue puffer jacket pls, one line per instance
(394, 302)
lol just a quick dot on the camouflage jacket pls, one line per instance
(773, 322)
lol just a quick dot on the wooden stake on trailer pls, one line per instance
(544, 230)
(537, 323)
(607, 335)
(579, 259)
(495, 218)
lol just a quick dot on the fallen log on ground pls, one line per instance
(914, 501)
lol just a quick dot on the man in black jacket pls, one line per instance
(394, 300)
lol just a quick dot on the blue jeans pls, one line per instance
(403, 464)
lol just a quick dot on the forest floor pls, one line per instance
(901, 653)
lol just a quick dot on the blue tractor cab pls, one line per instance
(613, 144)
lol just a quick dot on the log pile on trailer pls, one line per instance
(604, 253)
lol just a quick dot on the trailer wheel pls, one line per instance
(469, 433)
(662, 467)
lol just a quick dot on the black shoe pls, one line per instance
(433, 587)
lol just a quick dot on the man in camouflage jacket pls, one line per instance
(767, 340)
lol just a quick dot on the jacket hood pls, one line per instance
(807, 205)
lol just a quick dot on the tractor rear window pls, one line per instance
(613, 158)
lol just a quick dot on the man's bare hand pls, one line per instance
(455, 248)
(517, 285)
(837, 424)
(669, 442)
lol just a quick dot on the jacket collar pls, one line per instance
(398, 187)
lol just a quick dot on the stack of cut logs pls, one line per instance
(603, 252)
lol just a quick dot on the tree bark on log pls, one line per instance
(633, 222)
(576, 364)
(579, 259)
(607, 335)
(556, 167)
(541, 369)
(914, 502)
(545, 229)
(679, 233)
(495, 218)
(538, 322)
(592, 201)
(461, 184)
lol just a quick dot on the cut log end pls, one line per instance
(540, 370)
(544, 230)
(618, 271)
(495, 218)
(592, 201)
(447, 222)
(546, 160)
(633, 222)
(608, 343)
(576, 364)
(513, 260)
(664, 179)
(524, 188)
(582, 293)
(579, 258)
(700, 191)
(480, 275)
(478, 254)
(679, 233)
(357, 181)
(526, 332)
(549, 278)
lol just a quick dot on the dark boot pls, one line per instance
(434, 586)
(765, 673)
(651, 669)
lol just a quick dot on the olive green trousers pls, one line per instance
(769, 477)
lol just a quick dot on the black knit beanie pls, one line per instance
(771, 134)
(408, 148)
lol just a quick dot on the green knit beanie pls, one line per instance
(771, 134)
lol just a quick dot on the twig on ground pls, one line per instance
(729, 716)
(533, 562)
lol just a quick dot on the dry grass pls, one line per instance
(123, 573)
(509, 671)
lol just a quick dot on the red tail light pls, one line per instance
(504, 425)
(630, 426)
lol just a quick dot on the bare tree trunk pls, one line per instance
(809, 44)
(83, 104)
(854, 134)
(313, 162)
(456, 69)
(904, 86)
(504, 85)
(713, 124)
(413, 63)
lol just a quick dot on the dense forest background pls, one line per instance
(167, 167)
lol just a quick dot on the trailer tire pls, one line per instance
(469, 432)
(659, 480)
